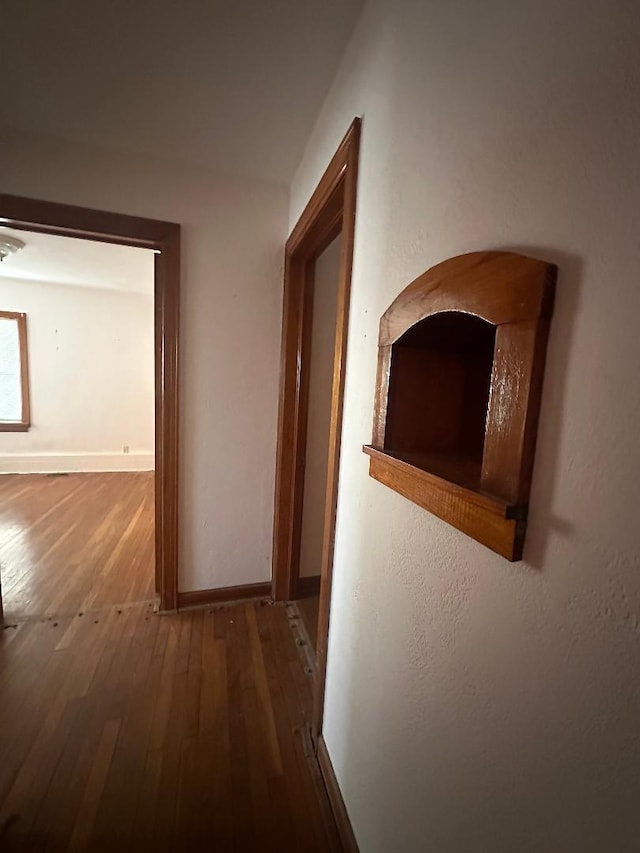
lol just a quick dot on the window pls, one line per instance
(14, 373)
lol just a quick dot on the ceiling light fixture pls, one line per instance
(9, 245)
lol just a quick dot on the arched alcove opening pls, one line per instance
(439, 383)
(461, 354)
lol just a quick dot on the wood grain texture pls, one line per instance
(122, 729)
(64, 538)
(202, 597)
(320, 222)
(86, 223)
(499, 287)
(460, 367)
(514, 405)
(489, 520)
(330, 211)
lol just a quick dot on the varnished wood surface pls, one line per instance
(488, 520)
(331, 210)
(456, 412)
(121, 729)
(71, 221)
(499, 287)
(135, 731)
(75, 543)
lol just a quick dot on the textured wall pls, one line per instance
(233, 234)
(473, 704)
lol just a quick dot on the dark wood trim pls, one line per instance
(70, 221)
(330, 211)
(167, 297)
(67, 220)
(308, 586)
(202, 597)
(340, 814)
(24, 424)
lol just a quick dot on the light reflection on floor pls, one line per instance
(16, 552)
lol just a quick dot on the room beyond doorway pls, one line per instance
(84, 366)
(164, 237)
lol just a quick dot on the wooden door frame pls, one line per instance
(84, 223)
(331, 211)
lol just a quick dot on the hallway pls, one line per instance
(125, 730)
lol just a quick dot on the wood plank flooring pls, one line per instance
(75, 542)
(124, 730)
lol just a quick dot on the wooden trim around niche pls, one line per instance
(331, 211)
(514, 294)
(70, 221)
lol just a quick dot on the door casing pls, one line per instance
(88, 224)
(331, 211)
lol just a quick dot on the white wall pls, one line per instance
(473, 704)
(233, 237)
(323, 338)
(91, 376)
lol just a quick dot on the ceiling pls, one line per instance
(83, 263)
(228, 85)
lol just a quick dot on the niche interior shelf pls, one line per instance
(461, 355)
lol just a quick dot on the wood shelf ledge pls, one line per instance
(490, 520)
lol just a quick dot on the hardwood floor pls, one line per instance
(124, 730)
(76, 542)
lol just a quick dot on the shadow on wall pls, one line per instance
(546, 469)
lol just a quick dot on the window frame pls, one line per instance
(24, 424)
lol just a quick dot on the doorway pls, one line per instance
(164, 237)
(327, 225)
(323, 308)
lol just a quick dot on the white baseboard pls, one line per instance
(63, 463)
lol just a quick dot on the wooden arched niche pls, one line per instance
(461, 355)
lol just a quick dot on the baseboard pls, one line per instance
(340, 814)
(202, 597)
(67, 463)
(308, 586)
